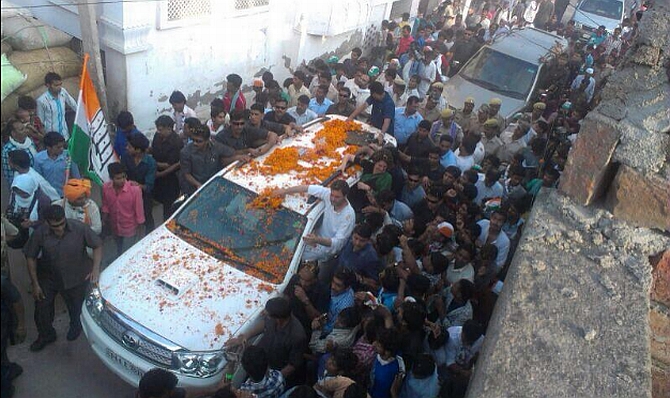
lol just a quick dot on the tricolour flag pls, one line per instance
(90, 145)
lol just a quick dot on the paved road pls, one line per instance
(63, 369)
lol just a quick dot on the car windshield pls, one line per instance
(258, 242)
(500, 73)
(603, 8)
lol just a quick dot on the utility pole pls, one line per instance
(91, 41)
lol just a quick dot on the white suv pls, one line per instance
(201, 278)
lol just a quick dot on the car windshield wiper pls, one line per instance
(509, 93)
(264, 244)
(482, 83)
(228, 255)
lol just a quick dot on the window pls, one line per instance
(249, 4)
(178, 10)
(500, 73)
(601, 8)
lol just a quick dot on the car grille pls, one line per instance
(148, 349)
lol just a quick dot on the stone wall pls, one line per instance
(573, 316)
(623, 148)
(659, 322)
(585, 310)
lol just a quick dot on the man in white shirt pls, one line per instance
(51, 105)
(492, 233)
(428, 73)
(298, 88)
(513, 139)
(180, 111)
(463, 345)
(338, 220)
(489, 187)
(301, 112)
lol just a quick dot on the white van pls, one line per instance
(201, 278)
(590, 14)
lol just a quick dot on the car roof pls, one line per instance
(528, 44)
(251, 176)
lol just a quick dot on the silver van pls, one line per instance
(513, 68)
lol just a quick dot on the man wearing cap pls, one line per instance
(494, 109)
(476, 124)
(463, 116)
(588, 75)
(234, 99)
(435, 92)
(373, 72)
(407, 120)
(490, 139)
(399, 96)
(536, 113)
(429, 71)
(446, 126)
(78, 205)
(298, 88)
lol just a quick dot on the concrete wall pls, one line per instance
(573, 316)
(148, 58)
(585, 310)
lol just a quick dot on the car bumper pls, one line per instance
(129, 366)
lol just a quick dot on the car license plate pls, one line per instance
(125, 363)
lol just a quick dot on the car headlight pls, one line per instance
(200, 364)
(94, 303)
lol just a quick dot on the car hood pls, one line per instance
(457, 89)
(181, 293)
(593, 20)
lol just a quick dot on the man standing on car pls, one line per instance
(338, 220)
(383, 108)
(63, 267)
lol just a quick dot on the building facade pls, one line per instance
(151, 48)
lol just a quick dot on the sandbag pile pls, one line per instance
(31, 49)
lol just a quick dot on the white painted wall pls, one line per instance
(146, 61)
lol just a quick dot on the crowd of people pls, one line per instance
(398, 284)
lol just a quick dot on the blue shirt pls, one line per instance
(448, 159)
(384, 109)
(121, 140)
(405, 125)
(411, 198)
(53, 170)
(320, 109)
(337, 304)
(364, 262)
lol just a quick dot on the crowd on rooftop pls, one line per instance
(397, 286)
